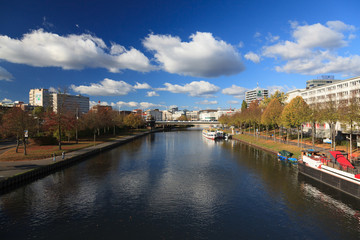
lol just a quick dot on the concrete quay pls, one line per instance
(14, 174)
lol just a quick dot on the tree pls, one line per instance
(91, 121)
(15, 122)
(280, 96)
(183, 118)
(254, 114)
(243, 106)
(224, 119)
(295, 114)
(314, 117)
(134, 120)
(329, 113)
(272, 114)
(350, 114)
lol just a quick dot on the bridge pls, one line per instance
(175, 122)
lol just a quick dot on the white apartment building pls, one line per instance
(39, 97)
(192, 115)
(337, 92)
(256, 94)
(75, 104)
(156, 114)
(167, 116)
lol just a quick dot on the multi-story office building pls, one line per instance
(256, 94)
(39, 97)
(321, 81)
(70, 103)
(335, 92)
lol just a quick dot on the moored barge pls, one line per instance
(336, 171)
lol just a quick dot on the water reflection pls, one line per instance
(176, 185)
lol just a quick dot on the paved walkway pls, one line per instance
(12, 168)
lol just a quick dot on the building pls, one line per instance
(337, 93)
(167, 116)
(192, 115)
(97, 108)
(177, 114)
(75, 104)
(256, 94)
(39, 97)
(208, 115)
(154, 114)
(321, 81)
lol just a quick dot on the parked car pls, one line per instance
(327, 140)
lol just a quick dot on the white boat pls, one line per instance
(212, 134)
(336, 171)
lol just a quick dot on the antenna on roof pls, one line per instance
(257, 84)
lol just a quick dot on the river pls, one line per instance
(178, 185)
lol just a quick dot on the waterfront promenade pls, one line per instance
(14, 172)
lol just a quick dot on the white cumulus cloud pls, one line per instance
(133, 105)
(233, 102)
(45, 49)
(202, 56)
(5, 75)
(236, 91)
(313, 50)
(252, 57)
(142, 86)
(207, 102)
(6, 100)
(194, 89)
(152, 94)
(106, 87)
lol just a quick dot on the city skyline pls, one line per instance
(193, 55)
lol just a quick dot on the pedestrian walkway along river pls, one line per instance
(178, 185)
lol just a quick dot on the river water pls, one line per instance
(178, 185)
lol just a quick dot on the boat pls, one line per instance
(227, 136)
(336, 170)
(212, 134)
(286, 156)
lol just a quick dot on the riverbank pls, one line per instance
(267, 144)
(15, 173)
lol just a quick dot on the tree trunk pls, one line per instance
(350, 142)
(24, 140)
(313, 133)
(17, 144)
(298, 133)
(301, 134)
(287, 135)
(94, 138)
(114, 130)
(59, 136)
(274, 134)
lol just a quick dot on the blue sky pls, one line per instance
(190, 54)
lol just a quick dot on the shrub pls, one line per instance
(45, 140)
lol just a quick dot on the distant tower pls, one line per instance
(39, 97)
(256, 94)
